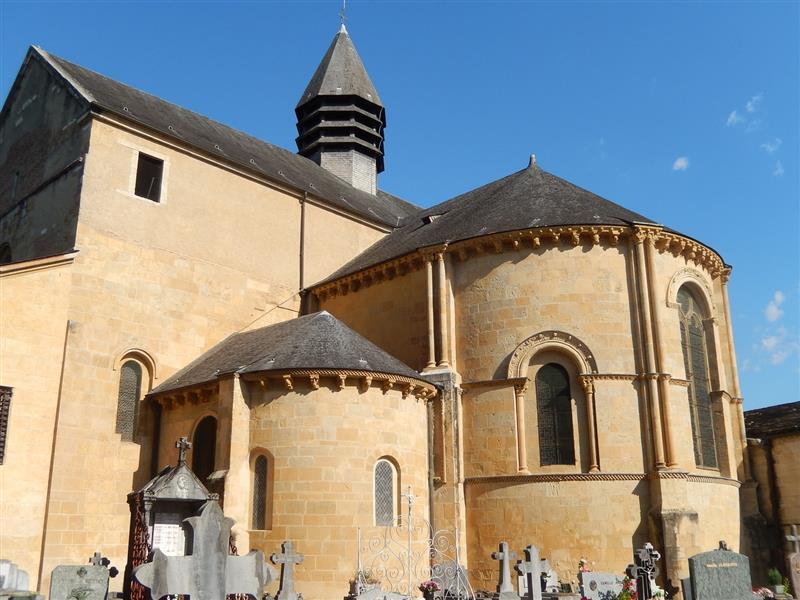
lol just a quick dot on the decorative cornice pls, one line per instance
(466, 386)
(338, 379)
(610, 376)
(716, 480)
(680, 382)
(533, 239)
(191, 396)
(556, 477)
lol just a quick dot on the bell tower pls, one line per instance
(340, 118)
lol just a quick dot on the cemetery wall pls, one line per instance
(31, 353)
(391, 314)
(168, 279)
(322, 446)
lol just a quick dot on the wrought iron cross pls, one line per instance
(97, 560)
(343, 13)
(644, 571)
(183, 444)
(794, 539)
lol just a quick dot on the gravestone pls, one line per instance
(452, 578)
(720, 575)
(287, 559)
(89, 582)
(14, 582)
(794, 561)
(530, 571)
(596, 585)
(210, 572)
(644, 571)
(505, 589)
(549, 578)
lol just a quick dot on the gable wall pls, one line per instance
(42, 135)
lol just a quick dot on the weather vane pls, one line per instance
(343, 12)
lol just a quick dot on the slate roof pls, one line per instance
(528, 198)
(773, 420)
(226, 143)
(315, 341)
(341, 73)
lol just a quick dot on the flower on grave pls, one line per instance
(762, 592)
(429, 586)
(584, 566)
(628, 590)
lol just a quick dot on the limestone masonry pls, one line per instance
(527, 362)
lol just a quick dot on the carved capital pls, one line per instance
(521, 388)
(587, 382)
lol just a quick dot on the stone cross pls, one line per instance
(183, 444)
(97, 560)
(288, 559)
(531, 570)
(644, 571)
(795, 539)
(210, 573)
(505, 556)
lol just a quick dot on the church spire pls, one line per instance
(340, 117)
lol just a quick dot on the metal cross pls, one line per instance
(343, 13)
(183, 444)
(795, 539)
(288, 559)
(97, 560)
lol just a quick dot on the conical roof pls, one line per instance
(315, 341)
(529, 198)
(341, 73)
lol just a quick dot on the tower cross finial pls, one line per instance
(183, 444)
(343, 14)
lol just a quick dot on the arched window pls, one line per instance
(204, 446)
(385, 477)
(128, 396)
(695, 359)
(554, 410)
(260, 467)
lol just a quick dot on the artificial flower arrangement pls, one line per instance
(429, 587)
(762, 592)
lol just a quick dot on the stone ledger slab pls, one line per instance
(601, 586)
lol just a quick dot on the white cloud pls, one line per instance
(779, 345)
(752, 104)
(773, 311)
(770, 342)
(778, 169)
(734, 119)
(771, 147)
(754, 125)
(681, 163)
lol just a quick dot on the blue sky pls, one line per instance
(685, 112)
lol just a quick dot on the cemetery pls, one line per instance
(183, 550)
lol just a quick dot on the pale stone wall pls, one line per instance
(322, 446)
(603, 521)
(391, 314)
(786, 454)
(218, 254)
(33, 328)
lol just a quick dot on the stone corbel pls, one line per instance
(313, 379)
(287, 381)
(366, 381)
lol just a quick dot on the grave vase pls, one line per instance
(428, 594)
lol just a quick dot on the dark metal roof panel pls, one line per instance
(316, 341)
(228, 144)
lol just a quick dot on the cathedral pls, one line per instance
(527, 362)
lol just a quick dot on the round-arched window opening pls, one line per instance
(204, 447)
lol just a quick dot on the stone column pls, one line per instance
(591, 424)
(444, 347)
(522, 448)
(650, 377)
(658, 351)
(431, 332)
(734, 375)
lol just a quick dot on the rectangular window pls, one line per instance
(5, 408)
(148, 177)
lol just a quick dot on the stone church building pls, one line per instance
(536, 363)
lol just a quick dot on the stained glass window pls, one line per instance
(130, 389)
(260, 493)
(695, 360)
(554, 410)
(384, 493)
